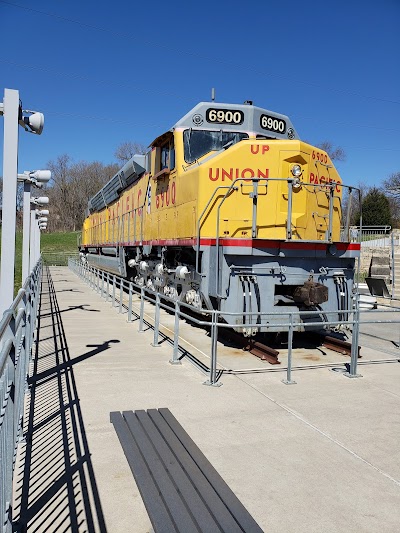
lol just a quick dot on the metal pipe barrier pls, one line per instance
(17, 329)
(213, 322)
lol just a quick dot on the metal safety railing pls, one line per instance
(113, 288)
(17, 329)
(372, 236)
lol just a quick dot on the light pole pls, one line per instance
(34, 229)
(29, 178)
(42, 227)
(12, 111)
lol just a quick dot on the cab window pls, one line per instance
(167, 155)
(199, 142)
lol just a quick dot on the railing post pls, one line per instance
(113, 292)
(155, 342)
(352, 373)
(212, 380)
(175, 353)
(121, 292)
(102, 283)
(108, 287)
(288, 380)
(141, 310)
(393, 265)
(130, 303)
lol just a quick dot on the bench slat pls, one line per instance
(160, 518)
(178, 475)
(211, 498)
(176, 507)
(240, 513)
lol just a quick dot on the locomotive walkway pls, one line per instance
(322, 455)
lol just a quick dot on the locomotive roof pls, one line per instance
(238, 117)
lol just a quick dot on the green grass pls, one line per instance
(59, 242)
(55, 247)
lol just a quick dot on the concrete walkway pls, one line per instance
(320, 456)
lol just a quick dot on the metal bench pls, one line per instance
(180, 488)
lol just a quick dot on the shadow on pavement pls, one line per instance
(55, 487)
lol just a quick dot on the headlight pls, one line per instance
(296, 184)
(296, 171)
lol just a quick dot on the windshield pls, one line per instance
(199, 142)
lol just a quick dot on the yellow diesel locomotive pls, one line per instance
(229, 210)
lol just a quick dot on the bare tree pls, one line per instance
(336, 154)
(128, 149)
(392, 185)
(70, 188)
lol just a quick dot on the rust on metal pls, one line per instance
(337, 345)
(264, 352)
(260, 350)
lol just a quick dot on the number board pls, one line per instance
(224, 116)
(274, 124)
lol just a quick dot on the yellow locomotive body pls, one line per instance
(229, 210)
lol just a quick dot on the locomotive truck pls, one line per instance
(229, 210)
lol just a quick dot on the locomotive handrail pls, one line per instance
(290, 209)
(231, 188)
(330, 219)
(290, 181)
(199, 220)
(120, 231)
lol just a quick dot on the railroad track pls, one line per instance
(271, 355)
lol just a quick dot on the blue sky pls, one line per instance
(105, 73)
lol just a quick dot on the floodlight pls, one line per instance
(33, 123)
(40, 200)
(42, 176)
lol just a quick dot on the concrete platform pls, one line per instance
(319, 456)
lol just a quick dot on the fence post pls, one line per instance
(141, 310)
(121, 291)
(155, 342)
(393, 266)
(288, 380)
(212, 380)
(352, 373)
(175, 353)
(113, 293)
(130, 303)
